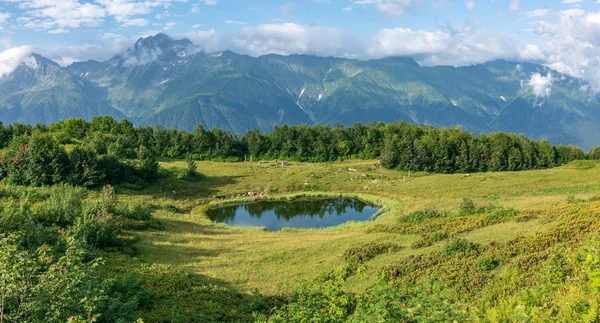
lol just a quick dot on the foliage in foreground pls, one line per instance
(553, 275)
(50, 242)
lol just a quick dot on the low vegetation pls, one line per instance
(79, 243)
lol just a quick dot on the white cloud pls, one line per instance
(58, 31)
(139, 22)
(5, 42)
(570, 44)
(287, 9)
(207, 40)
(515, 6)
(570, 1)
(531, 52)
(540, 85)
(59, 15)
(283, 39)
(210, 2)
(457, 46)
(470, 4)
(538, 12)
(169, 25)
(4, 16)
(111, 36)
(11, 58)
(391, 8)
(235, 22)
(442, 4)
(289, 38)
(145, 56)
(96, 50)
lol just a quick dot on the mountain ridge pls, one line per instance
(161, 80)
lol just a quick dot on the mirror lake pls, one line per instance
(298, 214)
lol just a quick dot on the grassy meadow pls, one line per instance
(247, 259)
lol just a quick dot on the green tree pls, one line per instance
(47, 162)
(85, 168)
(191, 166)
(147, 165)
(389, 155)
(594, 153)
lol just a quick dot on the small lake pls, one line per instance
(299, 214)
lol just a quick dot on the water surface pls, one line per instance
(299, 214)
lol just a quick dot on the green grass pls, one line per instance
(252, 258)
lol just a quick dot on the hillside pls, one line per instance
(103, 221)
(40, 91)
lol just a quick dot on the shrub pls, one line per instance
(423, 215)
(467, 207)
(358, 255)
(191, 166)
(459, 245)
(134, 211)
(62, 207)
(179, 173)
(500, 213)
(95, 234)
(427, 240)
(486, 263)
(37, 287)
(126, 299)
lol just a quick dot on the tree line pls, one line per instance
(102, 150)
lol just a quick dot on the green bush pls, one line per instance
(429, 239)
(62, 207)
(459, 245)
(191, 166)
(467, 207)
(95, 234)
(134, 211)
(358, 255)
(38, 287)
(423, 215)
(127, 299)
(486, 263)
(500, 213)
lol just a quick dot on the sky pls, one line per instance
(564, 35)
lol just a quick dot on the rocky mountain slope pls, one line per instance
(161, 80)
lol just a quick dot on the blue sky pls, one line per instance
(562, 34)
(363, 18)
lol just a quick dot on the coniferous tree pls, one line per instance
(147, 165)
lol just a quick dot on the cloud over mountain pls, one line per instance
(11, 58)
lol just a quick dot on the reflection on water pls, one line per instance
(274, 216)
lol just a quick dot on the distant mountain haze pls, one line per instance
(161, 80)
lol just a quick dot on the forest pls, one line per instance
(105, 151)
(81, 201)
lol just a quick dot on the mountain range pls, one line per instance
(166, 81)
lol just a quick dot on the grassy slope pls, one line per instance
(249, 258)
